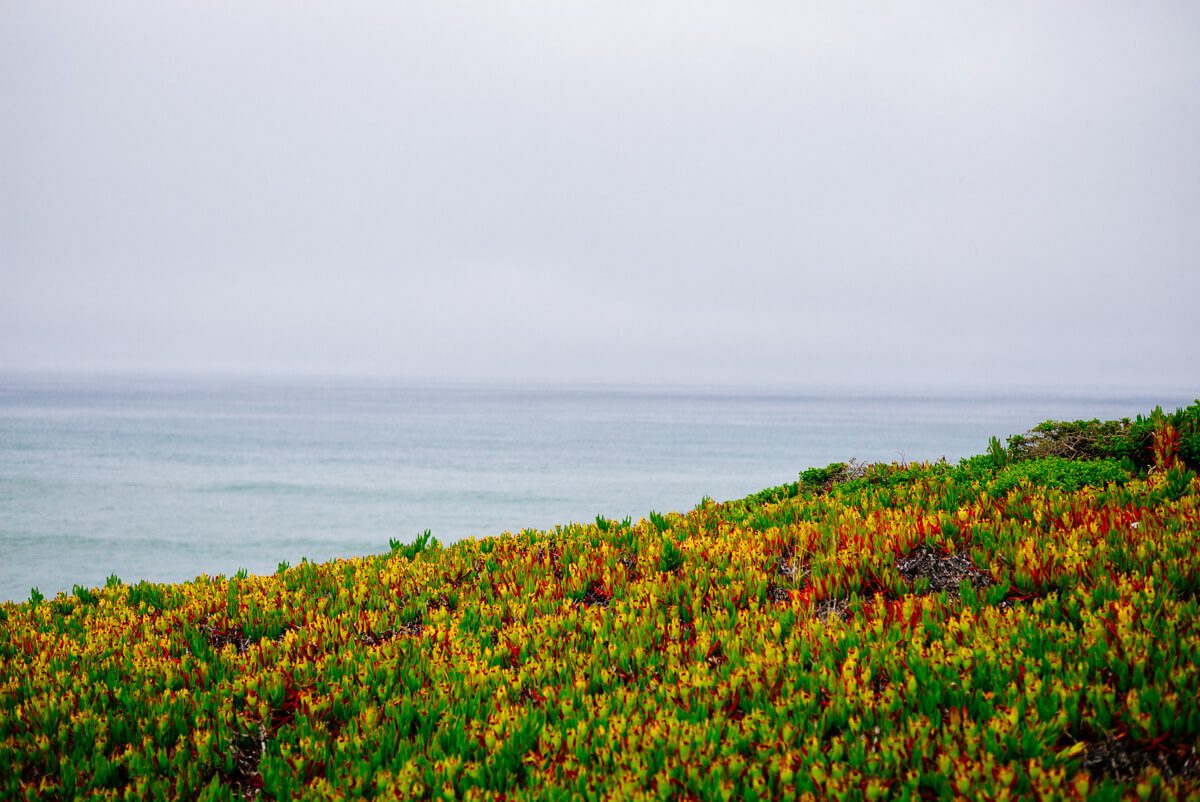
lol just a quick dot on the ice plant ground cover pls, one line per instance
(1023, 624)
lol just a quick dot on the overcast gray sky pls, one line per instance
(626, 191)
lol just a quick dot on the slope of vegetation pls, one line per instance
(1024, 624)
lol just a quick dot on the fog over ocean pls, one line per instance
(167, 478)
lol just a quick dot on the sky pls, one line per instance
(941, 193)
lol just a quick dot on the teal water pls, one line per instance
(164, 479)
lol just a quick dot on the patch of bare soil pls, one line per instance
(1123, 760)
(831, 608)
(472, 574)
(630, 562)
(247, 753)
(851, 470)
(439, 602)
(777, 594)
(221, 636)
(716, 656)
(790, 570)
(944, 572)
(553, 557)
(411, 629)
(788, 566)
(596, 595)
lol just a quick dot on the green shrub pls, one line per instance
(1057, 472)
(1132, 440)
(822, 478)
(146, 593)
(997, 453)
(1187, 421)
(660, 522)
(741, 509)
(423, 541)
(1080, 439)
(774, 495)
(1189, 448)
(980, 467)
(1179, 481)
(671, 557)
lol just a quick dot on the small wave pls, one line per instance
(109, 543)
(277, 488)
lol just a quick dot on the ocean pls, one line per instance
(167, 478)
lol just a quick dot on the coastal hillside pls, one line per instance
(1023, 624)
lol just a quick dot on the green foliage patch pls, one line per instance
(1020, 625)
(1131, 440)
(1061, 473)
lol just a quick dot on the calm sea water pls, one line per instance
(165, 479)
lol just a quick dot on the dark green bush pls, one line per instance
(85, 595)
(741, 509)
(659, 521)
(1189, 449)
(1187, 421)
(822, 478)
(1081, 439)
(997, 453)
(1061, 473)
(1125, 439)
(773, 495)
(423, 541)
(671, 557)
(980, 467)
(146, 593)
(1179, 481)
